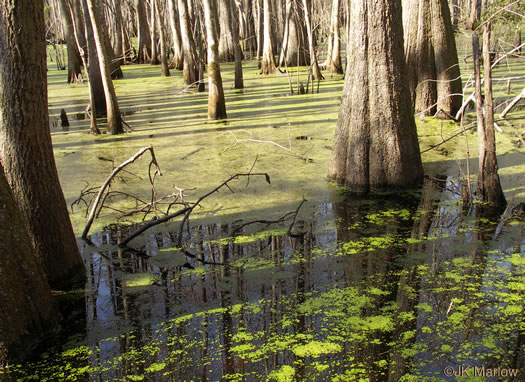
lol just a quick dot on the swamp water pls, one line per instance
(391, 287)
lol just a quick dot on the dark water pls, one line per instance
(397, 287)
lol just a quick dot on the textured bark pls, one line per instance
(489, 186)
(268, 65)
(376, 144)
(178, 56)
(295, 38)
(154, 53)
(314, 63)
(98, 98)
(226, 27)
(431, 57)
(119, 51)
(29, 316)
(164, 71)
(74, 72)
(114, 119)
(144, 36)
(333, 58)
(190, 69)
(239, 81)
(26, 151)
(216, 103)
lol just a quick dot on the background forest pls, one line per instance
(250, 190)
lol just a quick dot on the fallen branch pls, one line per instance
(513, 103)
(106, 184)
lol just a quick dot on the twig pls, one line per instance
(108, 182)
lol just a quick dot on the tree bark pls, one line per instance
(114, 119)
(190, 70)
(26, 151)
(165, 71)
(154, 53)
(268, 65)
(431, 56)
(29, 316)
(239, 81)
(216, 103)
(178, 57)
(375, 144)
(489, 186)
(295, 37)
(333, 58)
(314, 63)
(74, 72)
(144, 36)
(226, 27)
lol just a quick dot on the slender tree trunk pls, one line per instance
(119, 51)
(239, 81)
(268, 65)
(454, 11)
(190, 70)
(216, 103)
(154, 53)
(314, 64)
(176, 36)
(165, 71)
(333, 59)
(144, 36)
(74, 72)
(489, 186)
(375, 144)
(114, 119)
(26, 151)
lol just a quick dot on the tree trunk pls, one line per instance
(268, 65)
(376, 145)
(226, 26)
(154, 53)
(474, 14)
(177, 62)
(295, 37)
(333, 59)
(144, 36)
(314, 64)
(114, 119)
(489, 186)
(29, 317)
(239, 81)
(165, 71)
(454, 11)
(431, 57)
(74, 72)
(517, 41)
(190, 70)
(26, 151)
(216, 104)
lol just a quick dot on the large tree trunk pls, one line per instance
(333, 58)
(489, 186)
(26, 151)
(268, 65)
(74, 72)
(177, 62)
(144, 36)
(28, 317)
(114, 119)
(431, 56)
(216, 103)
(190, 70)
(376, 145)
(295, 38)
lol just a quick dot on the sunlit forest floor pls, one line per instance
(397, 286)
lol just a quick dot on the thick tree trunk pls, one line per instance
(74, 72)
(178, 56)
(216, 103)
(226, 26)
(431, 56)
(144, 36)
(165, 71)
(268, 65)
(489, 186)
(119, 50)
(295, 38)
(26, 151)
(314, 63)
(190, 70)
(29, 316)
(376, 145)
(333, 58)
(114, 119)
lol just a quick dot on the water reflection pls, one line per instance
(402, 286)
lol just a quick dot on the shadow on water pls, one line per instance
(380, 289)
